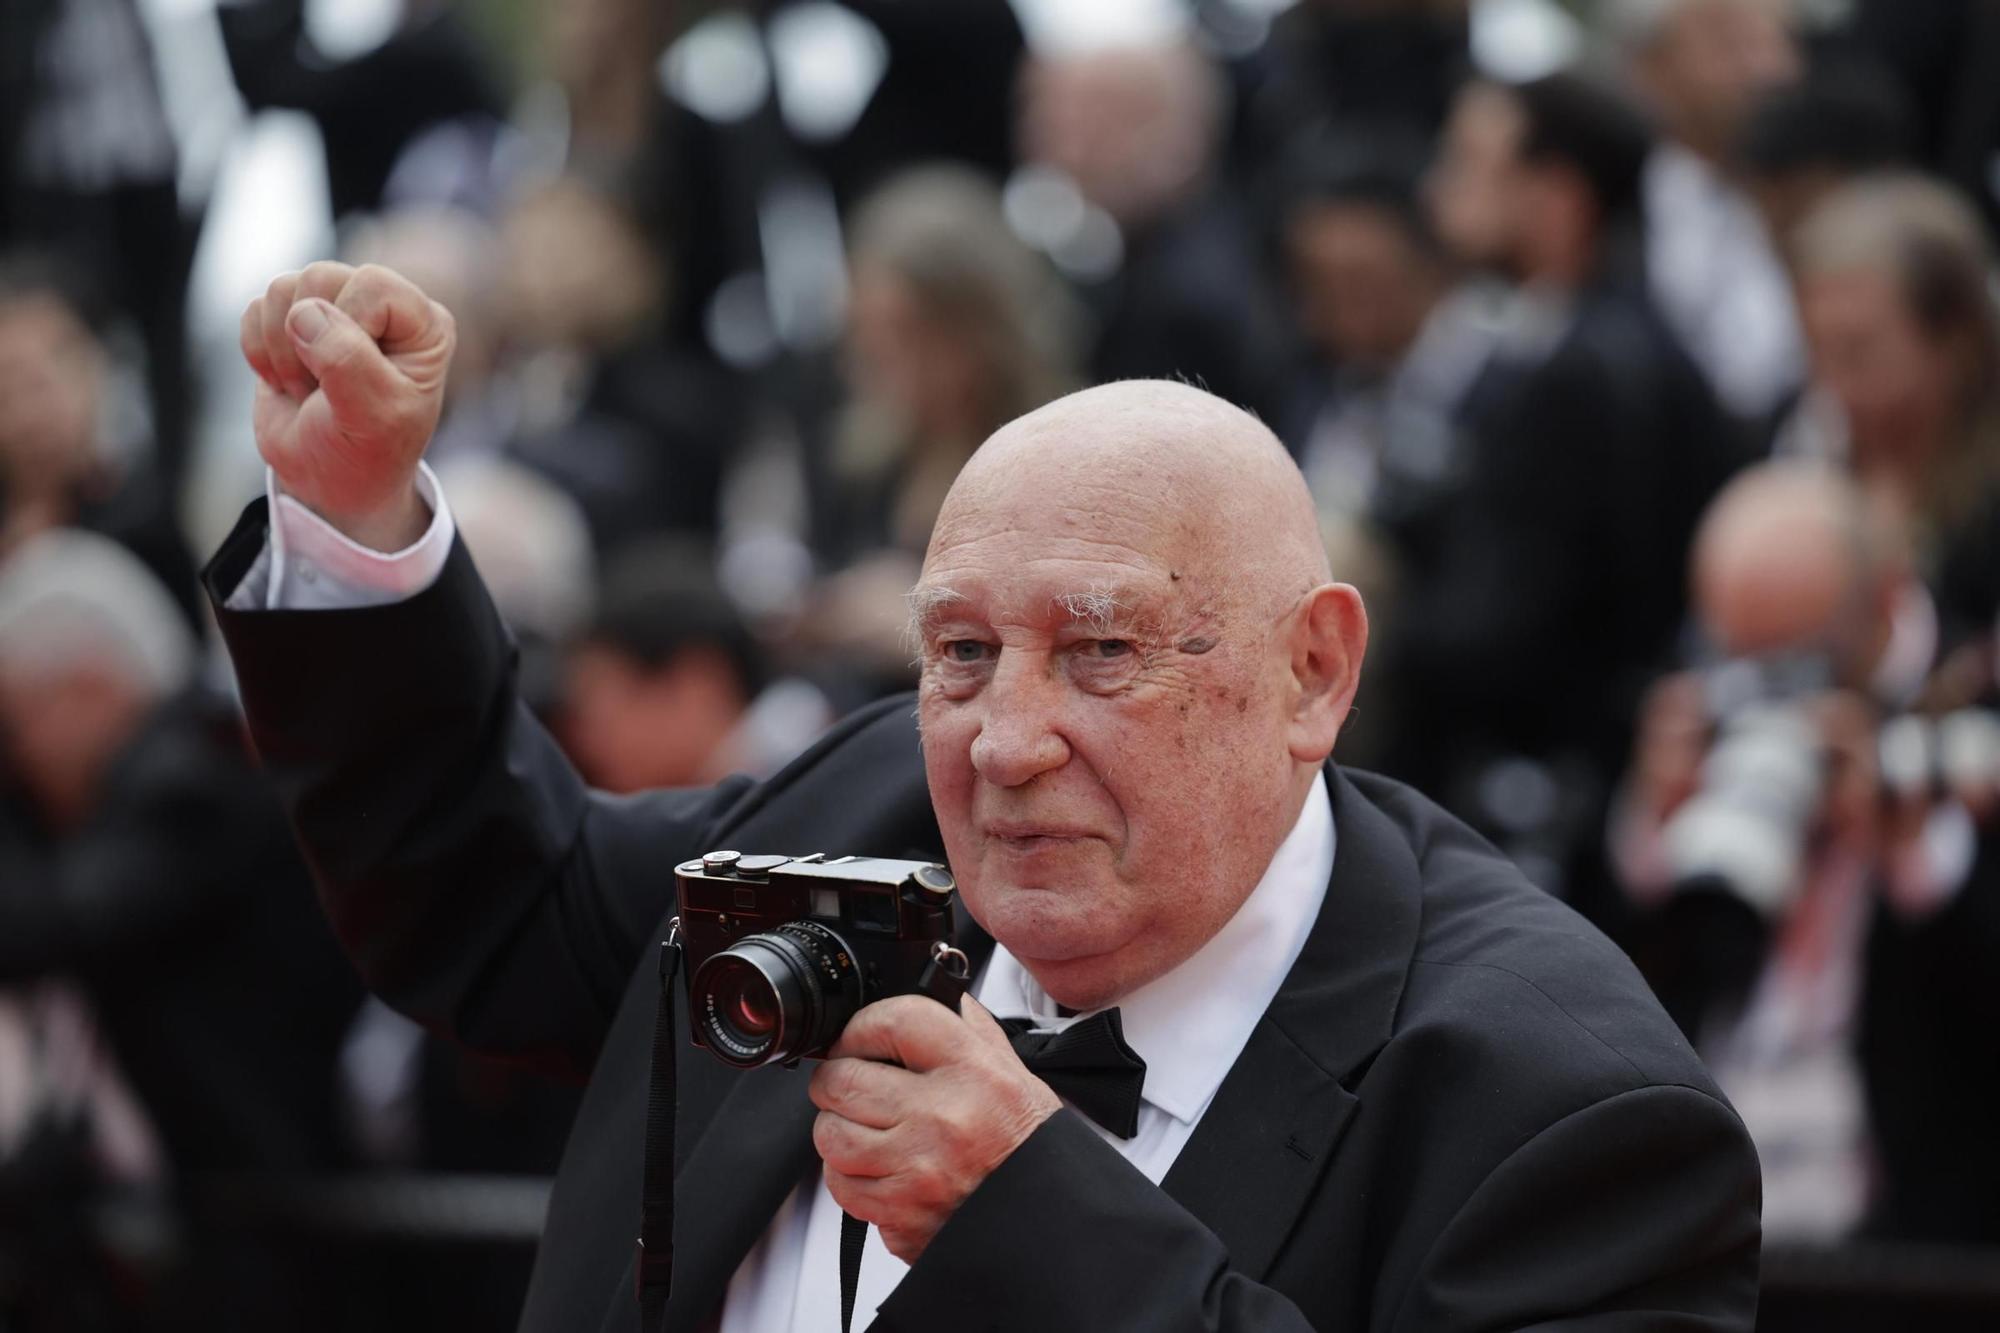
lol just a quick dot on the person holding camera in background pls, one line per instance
(1806, 838)
(1812, 868)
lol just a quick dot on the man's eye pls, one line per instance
(1109, 648)
(964, 650)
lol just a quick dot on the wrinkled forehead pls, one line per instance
(1155, 490)
(1061, 563)
(1040, 517)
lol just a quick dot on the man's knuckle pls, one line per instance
(843, 1080)
(323, 272)
(345, 354)
(931, 1189)
(404, 412)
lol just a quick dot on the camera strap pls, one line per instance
(653, 1272)
(945, 979)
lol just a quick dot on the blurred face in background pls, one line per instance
(907, 358)
(1785, 199)
(50, 371)
(61, 730)
(579, 272)
(1478, 190)
(1132, 129)
(1364, 283)
(1711, 60)
(630, 726)
(1896, 384)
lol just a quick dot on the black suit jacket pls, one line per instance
(1463, 1109)
(1554, 586)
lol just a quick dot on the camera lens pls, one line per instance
(746, 1002)
(776, 995)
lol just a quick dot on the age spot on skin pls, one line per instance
(1201, 643)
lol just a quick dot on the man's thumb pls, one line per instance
(980, 1017)
(324, 335)
(340, 355)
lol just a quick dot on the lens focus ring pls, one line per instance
(776, 995)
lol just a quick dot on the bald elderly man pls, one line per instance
(1387, 1084)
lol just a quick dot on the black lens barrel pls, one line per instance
(797, 986)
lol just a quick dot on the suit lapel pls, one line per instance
(1266, 1138)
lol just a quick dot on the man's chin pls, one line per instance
(1033, 924)
(1092, 981)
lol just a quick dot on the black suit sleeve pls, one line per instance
(1067, 1234)
(473, 879)
(1636, 1212)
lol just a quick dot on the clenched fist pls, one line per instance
(350, 366)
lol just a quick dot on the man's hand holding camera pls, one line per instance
(918, 1105)
(351, 369)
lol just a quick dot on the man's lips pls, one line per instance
(1029, 836)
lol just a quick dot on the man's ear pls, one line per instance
(1329, 640)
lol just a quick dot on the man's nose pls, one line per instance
(1018, 739)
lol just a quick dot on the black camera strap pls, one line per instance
(853, 1239)
(653, 1272)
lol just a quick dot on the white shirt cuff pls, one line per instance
(309, 565)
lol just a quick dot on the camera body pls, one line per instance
(781, 951)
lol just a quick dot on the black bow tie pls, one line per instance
(1089, 1066)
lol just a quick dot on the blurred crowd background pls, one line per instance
(1642, 357)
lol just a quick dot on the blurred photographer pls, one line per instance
(1812, 897)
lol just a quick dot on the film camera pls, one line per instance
(781, 951)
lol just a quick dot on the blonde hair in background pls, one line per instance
(1927, 238)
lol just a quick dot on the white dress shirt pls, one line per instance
(1188, 1026)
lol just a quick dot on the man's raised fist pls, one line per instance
(350, 365)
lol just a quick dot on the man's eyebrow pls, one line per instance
(1102, 608)
(930, 603)
(1099, 608)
